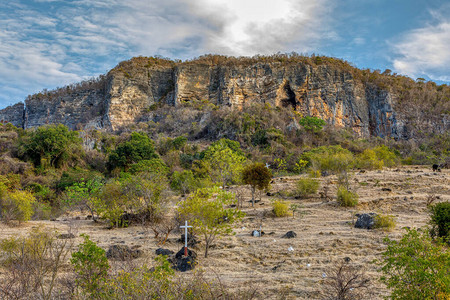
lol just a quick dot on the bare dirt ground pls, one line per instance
(325, 233)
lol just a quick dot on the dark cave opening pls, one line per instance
(290, 96)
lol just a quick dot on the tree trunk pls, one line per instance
(206, 245)
(253, 196)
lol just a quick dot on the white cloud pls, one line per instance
(424, 52)
(51, 43)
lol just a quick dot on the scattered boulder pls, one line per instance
(365, 221)
(257, 233)
(162, 251)
(65, 236)
(183, 263)
(289, 235)
(122, 252)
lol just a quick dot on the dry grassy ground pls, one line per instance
(325, 234)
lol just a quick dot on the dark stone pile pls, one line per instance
(365, 221)
(179, 261)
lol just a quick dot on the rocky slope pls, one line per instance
(129, 91)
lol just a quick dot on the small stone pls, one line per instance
(290, 249)
(386, 190)
(161, 251)
(289, 235)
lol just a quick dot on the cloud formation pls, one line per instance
(424, 52)
(49, 43)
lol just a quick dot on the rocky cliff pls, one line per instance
(135, 87)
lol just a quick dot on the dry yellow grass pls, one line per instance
(325, 234)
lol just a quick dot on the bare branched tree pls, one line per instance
(345, 281)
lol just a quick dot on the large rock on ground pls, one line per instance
(289, 235)
(162, 251)
(365, 221)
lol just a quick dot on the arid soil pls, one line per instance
(325, 233)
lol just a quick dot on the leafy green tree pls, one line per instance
(148, 191)
(440, 220)
(209, 212)
(139, 147)
(416, 268)
(334, 159)
(155, 165)
(111, 202)
(220, 144)
(184, 181)
(91, 267)
(85, 193)
(226, 166)
(51, 145)
(225, 161)
(257, 176)
(312, 124)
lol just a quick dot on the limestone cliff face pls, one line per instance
(131, 90)
(75, 110)
(13, 114)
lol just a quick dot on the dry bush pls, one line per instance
(430, 199)
(385, 222)
(163, 228)
(345, 281)
(32, 265)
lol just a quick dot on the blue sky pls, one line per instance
(50, 43)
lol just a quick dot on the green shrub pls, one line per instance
(385, 222)
(17, 205)
(91, 266)
(346, 198)
(377, 158)
(280, 208)
(154, 165)
(416, 268)
(139, 147)
(440, 220)
(312, 124)
(51, 145)
(306, 187)
(368, 160)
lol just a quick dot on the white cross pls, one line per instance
(185, 233)
(267, 166)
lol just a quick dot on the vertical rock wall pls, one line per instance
(130, 92)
